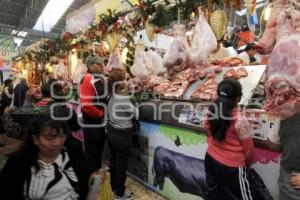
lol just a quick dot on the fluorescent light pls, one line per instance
(51, 14)
(19, 41)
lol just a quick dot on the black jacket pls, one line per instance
(5, 101)
(18, 168)
(20, 92)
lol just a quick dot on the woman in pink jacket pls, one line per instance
(230, 146)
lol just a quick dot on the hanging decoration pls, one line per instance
(218, 23)
(147, 14)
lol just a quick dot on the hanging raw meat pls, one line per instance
(175, 60)
(115, 61)
(142, 67)
(157, 63)
(204, 42)
(79, 72)
(281, 38)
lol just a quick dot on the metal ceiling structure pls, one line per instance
(21, 15)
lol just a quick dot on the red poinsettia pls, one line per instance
(67, 36)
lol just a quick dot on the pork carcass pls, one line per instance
(282, 39)
(175, 60)
(115, 61)
(204, 42)
(157, 63)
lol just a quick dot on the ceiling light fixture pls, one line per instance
(51, 14)
(19, 40)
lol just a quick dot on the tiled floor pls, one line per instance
(140, 192)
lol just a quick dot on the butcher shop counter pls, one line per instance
(172, 143)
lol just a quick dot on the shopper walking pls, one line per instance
(93, 99)
(230, 146)
(119, 134)
(287, 140)
(20, 93)
(6, 99)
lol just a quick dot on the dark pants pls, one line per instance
(94, 139)
(120, 142)
(226, 183)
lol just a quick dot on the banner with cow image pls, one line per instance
(175, 162)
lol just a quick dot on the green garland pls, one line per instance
(161, 16)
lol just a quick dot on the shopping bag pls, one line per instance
(258, 188)
(100, 187)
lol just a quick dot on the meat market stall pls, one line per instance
(172, 134)
(173, 81)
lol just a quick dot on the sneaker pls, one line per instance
(126, 196)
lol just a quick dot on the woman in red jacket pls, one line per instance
(230, 146)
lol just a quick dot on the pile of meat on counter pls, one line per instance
(281, 40)
(184, 65)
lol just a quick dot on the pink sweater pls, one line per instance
(237, 149)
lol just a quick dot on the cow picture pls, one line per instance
(187, 173)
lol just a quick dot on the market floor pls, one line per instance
(140, 192)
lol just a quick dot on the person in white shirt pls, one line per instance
(248, 54)
(221, 52)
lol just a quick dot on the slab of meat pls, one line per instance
(199, 72)
(231, 62)
(204, 42)
(241, 72)
(161, 88)
(281, 38)
(231, 73)
(177, 90)
(190, 74)
(211, 75)
(155, 81)
(206, 91)
(217, 69)
(137, 85)
(175, 60)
